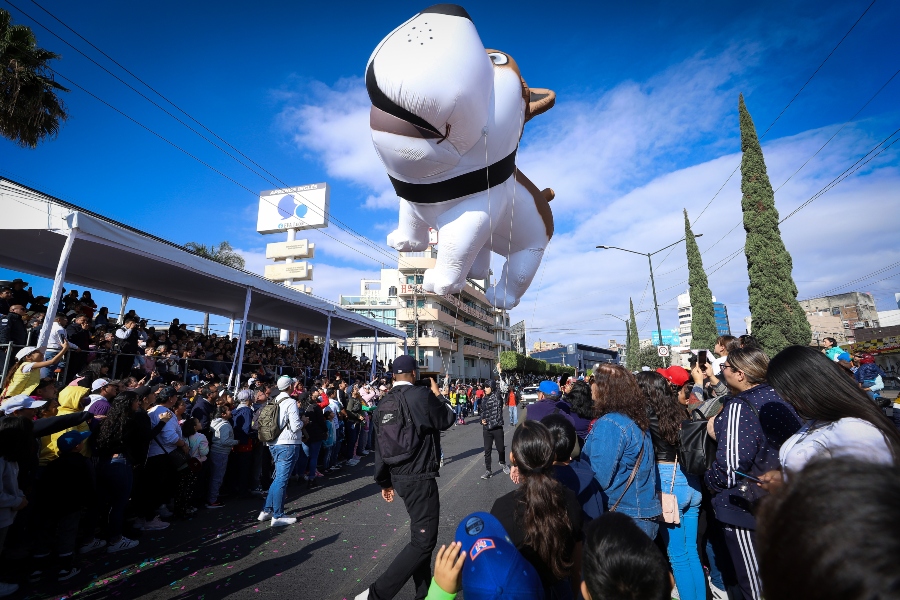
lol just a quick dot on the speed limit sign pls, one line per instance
(662, 350)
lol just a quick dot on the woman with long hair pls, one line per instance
(750, 429)
(115, 466)
(666, 414)
(542, 517)
(620, 449)
(841, 421)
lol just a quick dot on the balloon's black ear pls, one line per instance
(541, 101)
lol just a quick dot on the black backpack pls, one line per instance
(697, 449)
(398, 437)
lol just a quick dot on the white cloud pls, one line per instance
(832, 241)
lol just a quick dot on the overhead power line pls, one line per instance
(268, 176)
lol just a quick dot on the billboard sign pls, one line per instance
(301, 207)
(295, 249)
(285, 271)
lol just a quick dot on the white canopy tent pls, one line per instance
(45, 236)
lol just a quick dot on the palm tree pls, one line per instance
(30, 109)
(223, 253)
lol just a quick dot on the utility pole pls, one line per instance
(416, 314)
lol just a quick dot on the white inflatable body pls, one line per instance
(446, 119)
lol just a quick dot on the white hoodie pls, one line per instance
(289, 420)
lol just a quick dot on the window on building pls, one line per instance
(411, 279)
(392, 291)
(836, 311)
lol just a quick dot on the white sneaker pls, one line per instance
(123, 544)
(283, 521)
(353, 462)
(364, 595)
(155, 525)
(264, 516)
(8, 588)
(717, 594)
(164, 511)
(365, 453)
(92, 545)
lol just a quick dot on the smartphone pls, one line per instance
(701, 359)
(750, 477)
(423, 382)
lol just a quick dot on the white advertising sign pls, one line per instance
(295, 249)
(284, 271)
(301, 207)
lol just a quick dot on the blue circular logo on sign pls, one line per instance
(300, 211)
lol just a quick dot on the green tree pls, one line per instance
(223, 253)
(632, 341)
(30, 109)
(703, 316)
(778, 319)
(649, 357)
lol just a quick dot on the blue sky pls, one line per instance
(645, 125)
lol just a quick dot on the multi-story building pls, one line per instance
(540, 346)
(685, 317)
(460, 334)
(855, 309)
(580, 356)
(723, 327)
(823, 325)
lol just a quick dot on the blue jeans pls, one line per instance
(115, 480)
(312, 458)
(284, 456)
(681, 539)
(513, 415)
(219, 464)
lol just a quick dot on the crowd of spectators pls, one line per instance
(787, 498)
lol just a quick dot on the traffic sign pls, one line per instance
(662, 350)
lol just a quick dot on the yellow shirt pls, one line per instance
(24, 383)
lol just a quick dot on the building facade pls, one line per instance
(685, 317)
(723, 327)
(856, 310)
(461, 334)
(580, 356)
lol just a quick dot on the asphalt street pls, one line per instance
(345, 537)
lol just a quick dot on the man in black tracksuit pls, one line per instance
(414, 481)
(492, 428)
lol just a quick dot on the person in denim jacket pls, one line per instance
(619, 436)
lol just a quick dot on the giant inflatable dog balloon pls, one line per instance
(446, 119)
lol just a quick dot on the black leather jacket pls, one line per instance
(665, 452)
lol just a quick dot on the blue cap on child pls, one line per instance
(494, 568)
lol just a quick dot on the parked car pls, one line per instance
(529, 394)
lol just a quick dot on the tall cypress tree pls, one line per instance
(703, 317)
(633, 345)
(778, 319)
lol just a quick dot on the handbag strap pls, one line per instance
(630, 477)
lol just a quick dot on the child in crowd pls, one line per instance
(187, 480)
(64, 491)
(484, 563)
(222, 442)
(620, 561)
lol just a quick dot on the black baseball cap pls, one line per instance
(405, 364)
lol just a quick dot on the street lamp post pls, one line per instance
(652, 282)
